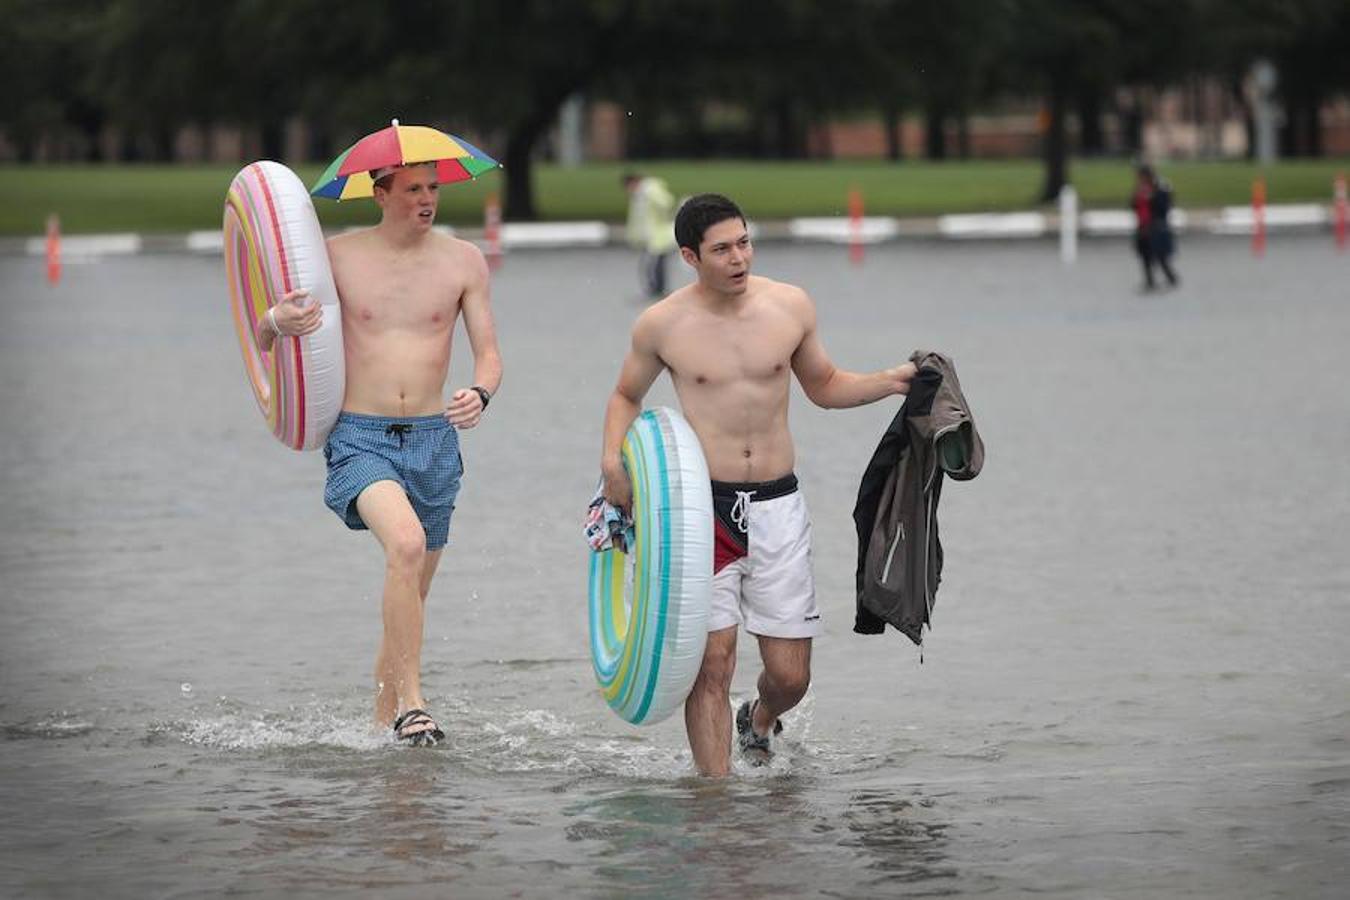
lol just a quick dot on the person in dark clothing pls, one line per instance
(1152, 202)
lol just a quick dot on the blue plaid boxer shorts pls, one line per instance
(420, 453)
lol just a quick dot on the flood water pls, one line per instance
(1138, 682)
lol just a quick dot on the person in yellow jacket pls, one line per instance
(651, 228)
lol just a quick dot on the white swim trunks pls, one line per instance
(762, 575)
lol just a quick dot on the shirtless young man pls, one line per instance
(728, 341)
(394, 463)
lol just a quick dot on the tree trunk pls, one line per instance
(701, 143)
(88, 118)
(519, 204)
(1091, 138)
(1293, 138)
(637, 141)
(935, 133)
(162, 135)
(1132, 130)
(273, 136)
(819, 142)
(1290, 137)
(1056, 140)
(1294, 131)
(890, 117)
(759, 133)
(788, 131)
(1313, 124)
(320, 144)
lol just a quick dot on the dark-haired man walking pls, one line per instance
(728, 341)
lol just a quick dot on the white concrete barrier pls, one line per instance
(1231, 220)
(1242, 220)
(554, 234)
(1107, 221)
(206, 241)
(88, 245)
(839, 229)
(980, 225)
(1121, 221)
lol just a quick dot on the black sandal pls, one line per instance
(754, 747)
(426, 737)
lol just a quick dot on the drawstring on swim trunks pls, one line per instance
(740, 511)
(400, 429)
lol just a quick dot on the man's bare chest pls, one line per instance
(401, 303)
(720, 353)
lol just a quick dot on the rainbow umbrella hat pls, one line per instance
(400, 145)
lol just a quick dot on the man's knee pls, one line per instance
(789, 677)
(405, 549)
(792, 685)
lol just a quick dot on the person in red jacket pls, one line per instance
(1152, 203)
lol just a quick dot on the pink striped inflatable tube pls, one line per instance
(273, 245)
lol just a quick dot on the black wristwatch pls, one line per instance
(482, 394)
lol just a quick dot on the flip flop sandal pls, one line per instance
(424, 737)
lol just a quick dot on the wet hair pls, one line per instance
(699, 213)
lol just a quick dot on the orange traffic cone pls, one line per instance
(53, 249)
(855, 221)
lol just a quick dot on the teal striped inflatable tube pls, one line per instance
(649, 607)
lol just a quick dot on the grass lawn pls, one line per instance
(148, 198)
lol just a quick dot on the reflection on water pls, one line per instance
(731, 838)
(344, 807)
(643, 842)
(374, 822)
(414, 816)
(898, 836)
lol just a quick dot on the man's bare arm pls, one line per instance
(294, 314)
(830, 387)
(640, 369)
(466, 406)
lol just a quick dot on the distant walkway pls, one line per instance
(1228, 220)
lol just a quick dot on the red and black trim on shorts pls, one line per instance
(730, 543)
